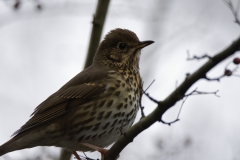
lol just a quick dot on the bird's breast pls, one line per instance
(104, 119)
(124, 90)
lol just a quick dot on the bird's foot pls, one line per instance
(76, 155)
(101, 150)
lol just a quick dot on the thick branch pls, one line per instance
(176, 95)
(98, 22)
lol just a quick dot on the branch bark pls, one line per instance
(175, 96)
(98, 22)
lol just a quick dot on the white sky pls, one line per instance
(40, 51)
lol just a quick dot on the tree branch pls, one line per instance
(189, 58)
(164, 105)
(98, 22)
(234, 11)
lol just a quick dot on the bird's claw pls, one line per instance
(101, 150)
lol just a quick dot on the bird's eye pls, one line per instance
(121, 45)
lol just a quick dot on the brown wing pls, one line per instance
(68, 97)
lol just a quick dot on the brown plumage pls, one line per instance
(94, 107)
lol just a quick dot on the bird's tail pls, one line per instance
(2, 152)
(22, 141)
(11, 145)
(4, 149)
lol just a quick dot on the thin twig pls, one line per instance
(194, 92)
(189, 58)
(149, 85)
(142, 107)
(154, 100)
(169, 123)
(214, 79)
(233, 10)
(227, 72)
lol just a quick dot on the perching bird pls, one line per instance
(94, 107)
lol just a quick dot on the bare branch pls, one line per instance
(142, 112)
(227, 72)
(169, 123)
(149, 85)
(150, 97)
(189, 58)
(214, 79)
(229, 4)
(98, 22)
(141, 107)
(194, 92)
(164, 105)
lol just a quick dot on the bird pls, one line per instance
(94, 108)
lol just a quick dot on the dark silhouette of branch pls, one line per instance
(98, 22)
(235, 11)
(170, 101)
(189, 58)
(169, 123)
(141, 109)
(144, 92)
(227, 72)
(194, 92)
(151, 98)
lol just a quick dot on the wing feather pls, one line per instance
(81, 89)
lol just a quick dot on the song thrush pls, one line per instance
(95, 106)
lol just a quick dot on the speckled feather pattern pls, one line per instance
(102, 122)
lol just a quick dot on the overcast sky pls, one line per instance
(41, 50)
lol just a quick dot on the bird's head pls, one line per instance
(120, 49)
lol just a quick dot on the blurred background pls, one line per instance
(44, 43)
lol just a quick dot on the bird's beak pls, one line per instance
(143, 44)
